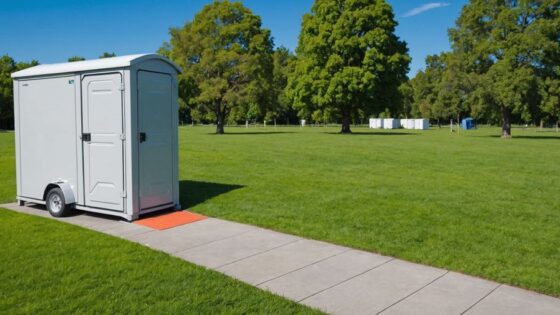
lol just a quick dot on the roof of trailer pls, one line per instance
(87, 65)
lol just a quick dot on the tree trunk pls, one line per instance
(506, 126)
(220, 124)
(345, 123)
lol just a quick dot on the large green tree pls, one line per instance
(7, 66)
(283, 61)
(226, 56)
(508, 45)
(349, 60)
(453, 88)
(550, 92)
(425, 87)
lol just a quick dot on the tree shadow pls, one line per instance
(192, 193)
(375, 133)
(528, 137)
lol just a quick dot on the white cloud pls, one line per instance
(425, 7)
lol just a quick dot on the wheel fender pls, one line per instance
(67, 191)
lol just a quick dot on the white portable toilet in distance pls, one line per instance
(410, 123)
(391, 123)
(376, 123)
(421, 124)
(98, 135)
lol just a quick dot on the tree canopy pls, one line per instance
(349, 60)
(107, 55)
(504, 64)
(283, 62)
(76, 58)
(226, 56)
(7, 66)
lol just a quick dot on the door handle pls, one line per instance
(86, 137)
(142, 137)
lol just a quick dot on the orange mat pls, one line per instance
(170, 220)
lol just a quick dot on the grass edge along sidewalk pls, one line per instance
(332, 278)
(49, 266)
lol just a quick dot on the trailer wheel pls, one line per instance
(56, 204)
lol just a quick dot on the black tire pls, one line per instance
(56, 204)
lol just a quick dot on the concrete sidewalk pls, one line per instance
(332, 278)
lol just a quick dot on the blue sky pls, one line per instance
(51, 31)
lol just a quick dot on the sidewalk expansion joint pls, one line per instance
(311, 264)
(346, 280)
(482, 298)
(411, 294)
(256, 254)
(208, 243)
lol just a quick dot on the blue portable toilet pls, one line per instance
(467, 123)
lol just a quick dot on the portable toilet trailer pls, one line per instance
(410, 124)
(390, 123)
(98, 135)
(467, 123)
(421, 124)
(404, 123)
(407, 123)
(376, 123)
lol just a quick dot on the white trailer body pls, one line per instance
(103, 131)
(411, 124)
(376, 123)
(391, 123)
(407, 123)
(421, 124)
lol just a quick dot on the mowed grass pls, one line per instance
(49, 267)
(468, 201)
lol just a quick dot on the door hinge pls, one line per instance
(123, 194)
(123, 136)
(121, 87)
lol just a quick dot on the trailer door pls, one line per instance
(155, 125)
(102, 138)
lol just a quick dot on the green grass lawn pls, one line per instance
(469, 201)
(49, 267)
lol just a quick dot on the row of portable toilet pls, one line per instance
(391, 123)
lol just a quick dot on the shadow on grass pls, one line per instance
(252, 133)
(192, 193)
(374, 133)
(528, 137)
